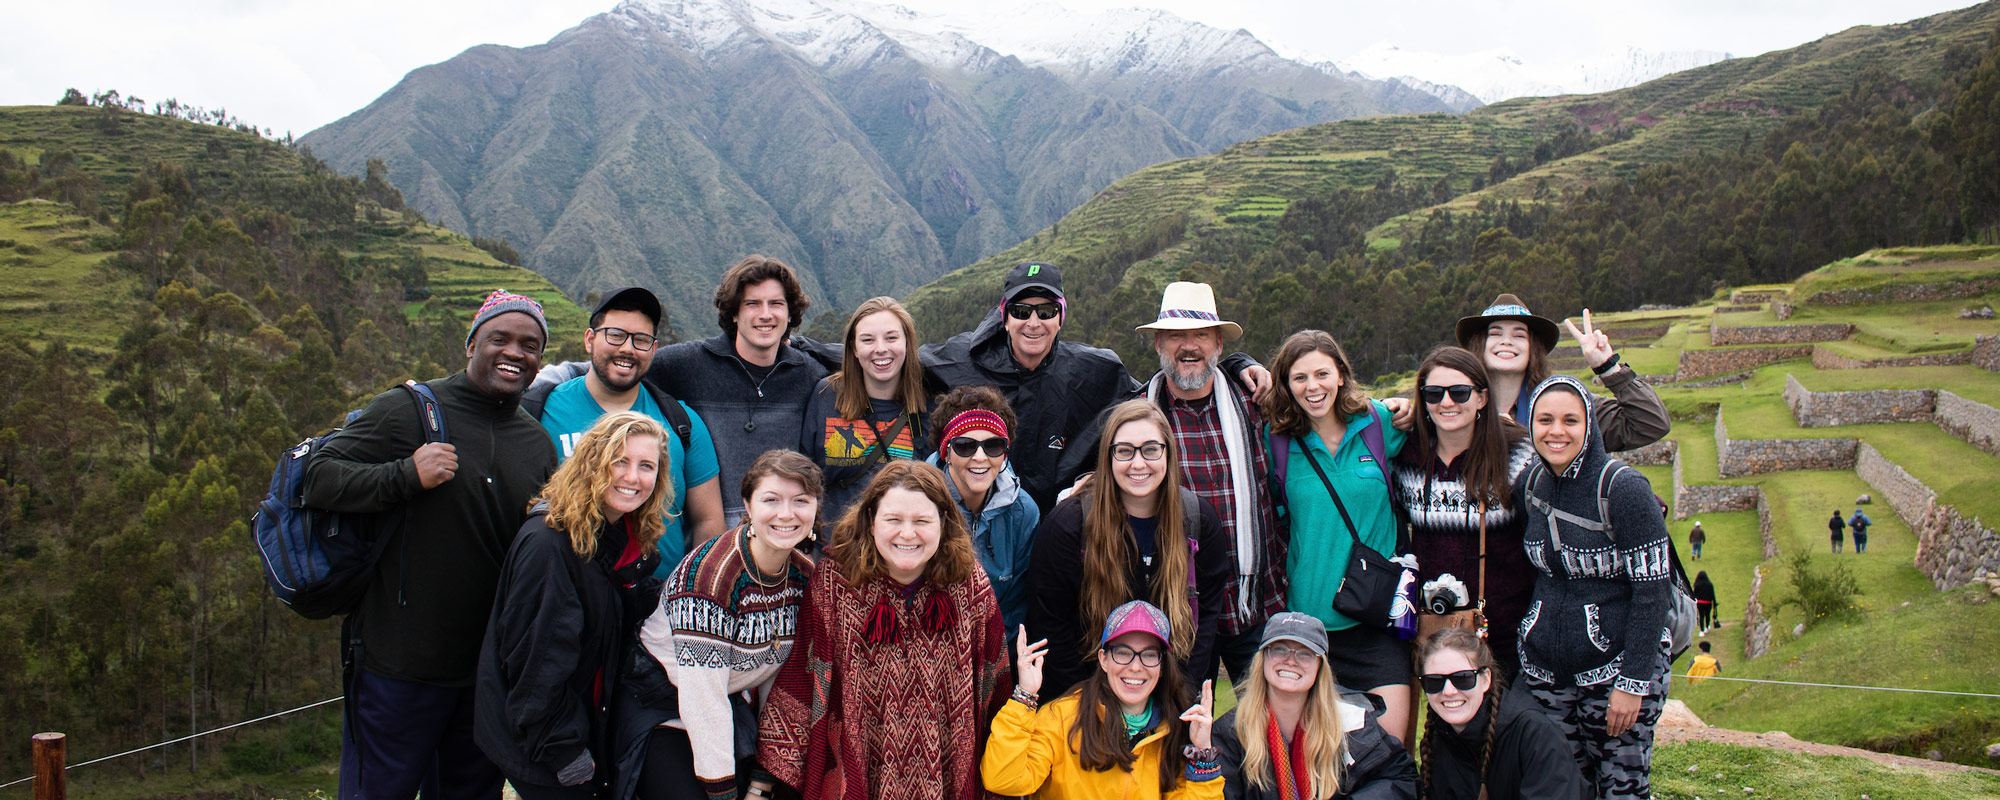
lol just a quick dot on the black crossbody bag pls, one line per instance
(1368, 589)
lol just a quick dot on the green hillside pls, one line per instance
(1384, 230)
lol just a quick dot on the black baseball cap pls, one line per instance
(630, 297)
(1035, 276)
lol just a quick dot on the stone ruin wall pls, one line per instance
(1756, 626)
(1951, 550)
(1977, 423)
(1827, 359)
(1912, 292)
(1986, 352)
(1736, 458)
(1703, 363)
(1779, 334)
(1828, 409)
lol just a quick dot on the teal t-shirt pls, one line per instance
(1320, 544)
(571, 411)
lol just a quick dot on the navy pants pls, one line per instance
(402, 736)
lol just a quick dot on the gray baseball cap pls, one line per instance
(1296, 627)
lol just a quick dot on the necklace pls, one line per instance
(750, 568)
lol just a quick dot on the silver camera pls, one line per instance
(1446, 594)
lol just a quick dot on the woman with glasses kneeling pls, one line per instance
(902, 659)
(1113, 735)
(1477, 742)
(1138, 537)
(1296, 735)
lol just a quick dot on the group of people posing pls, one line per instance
(758, 565)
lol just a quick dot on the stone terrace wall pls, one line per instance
(1951, 550)
(1738, 457)
(1783, 311)
(1756, 626)
(1977, 423)
(1657, 454)
(1737, 309)
(1825, 409)
(1703, 363)
(1914, 292)
(1986, 352)
(1631, 332)
(1779, 334)
(1827, 359)
(1757, 295)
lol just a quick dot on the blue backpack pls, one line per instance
(318, 562)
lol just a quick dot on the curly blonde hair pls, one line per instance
(575, 494)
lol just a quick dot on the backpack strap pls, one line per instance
(1604, 480)
(676, 414)
(428, 411)
(1278, 451)
(1371, 437)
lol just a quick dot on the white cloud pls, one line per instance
(295, 65)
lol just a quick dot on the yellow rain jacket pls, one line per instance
(1028, 753)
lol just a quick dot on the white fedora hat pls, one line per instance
(1190, 306)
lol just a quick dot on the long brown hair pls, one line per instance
(1493, 434)
(1108, 539)
(1474, 649)
(854, 537)
(1326, 736)
(1098, 736)
(850, 397)
(575, 493)
(1538, 356)
(1282, 409)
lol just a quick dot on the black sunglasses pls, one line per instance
(1459, 394)
(617, 336)
(965, 446)
(1464, 679)
(1025, 310)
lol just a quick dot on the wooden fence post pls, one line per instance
(50, 783)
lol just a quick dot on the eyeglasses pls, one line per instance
(965, 446)
(1151, 451)
(1279, 652)
(617, 336)
(1043, 310)
(1459, 394)
(1122, 655)
(1464, 679)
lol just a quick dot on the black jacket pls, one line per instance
(424, 614)
(1380, 770)
(1531, 760)
(560, 625)
(1052, 403)
(1055, 592)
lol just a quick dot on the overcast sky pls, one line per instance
(295, 66)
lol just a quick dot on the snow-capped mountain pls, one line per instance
(1499, 73)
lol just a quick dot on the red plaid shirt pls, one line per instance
(1205, 470)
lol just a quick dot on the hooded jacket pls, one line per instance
(1599, 612)
(1052, 403)
(1631, 418)
(1378, 768)
(1530, 761)
(1003, 537)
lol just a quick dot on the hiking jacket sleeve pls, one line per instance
(1382, 768)
(366, 468)
(1633, 417)
(536, 630)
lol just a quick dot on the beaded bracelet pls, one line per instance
(1198, 771)
(1026, 698)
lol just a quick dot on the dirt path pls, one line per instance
(1678, 724)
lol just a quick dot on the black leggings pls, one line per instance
(669, 771)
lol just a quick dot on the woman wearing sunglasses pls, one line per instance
(1117, 734)
(1455, 484)
(1295, 735)
(1138, 536)
(974, 425)
(1478, 742)
(1325, 435)
(873, 410)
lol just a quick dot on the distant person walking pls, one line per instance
(1835, 527)
(1703, 666)
(1697, 538)
(1860, 523)
(1704, 602)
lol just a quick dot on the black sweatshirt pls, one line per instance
(1531, 759)
(425, 610)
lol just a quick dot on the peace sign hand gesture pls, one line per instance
(1201, 717)
(1596, 346)
(1028, 673)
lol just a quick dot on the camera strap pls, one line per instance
(1482, 558)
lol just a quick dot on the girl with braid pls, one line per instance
(1477, 744)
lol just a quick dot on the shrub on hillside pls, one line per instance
(1820, 592)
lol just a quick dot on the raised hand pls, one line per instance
(1596, 346)
(1201, 717)
(1028, 673)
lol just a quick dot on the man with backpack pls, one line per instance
(1859, 524)
(453, 508)
(621, 341)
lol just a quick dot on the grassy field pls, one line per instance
(1696, 770)
(53, 279)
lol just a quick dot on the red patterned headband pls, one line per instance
(977, 419)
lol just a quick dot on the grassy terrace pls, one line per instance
(52, 279)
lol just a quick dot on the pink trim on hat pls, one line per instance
(976, 419)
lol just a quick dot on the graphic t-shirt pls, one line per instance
(570, 413)
(841, 447)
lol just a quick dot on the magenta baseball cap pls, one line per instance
(1139, 616)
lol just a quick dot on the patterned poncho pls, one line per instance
(896, 706)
